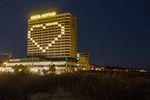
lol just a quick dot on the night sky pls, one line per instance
(113, 32)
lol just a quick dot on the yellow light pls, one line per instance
(84, 69)
(56, 39)
(59, 36)
(38, 46)
(53, 41)
(39, 25)
(50, 45)
(41, 48)
(20, 70)
(5, 63)
(31, 29)
(43, 51)
(44, 27)
(59, 25)
(56, 23)
(62, 32)
(36, 17)
(34, 70)
(33, 41)
(49, 14)
(47, 24)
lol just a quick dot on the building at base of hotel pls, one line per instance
(52, 40)
(36, 64)
(62, 65)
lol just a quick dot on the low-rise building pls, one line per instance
(83, 60)
(35, 64)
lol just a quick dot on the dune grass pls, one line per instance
(80, 85)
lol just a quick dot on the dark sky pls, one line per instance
(113, 32)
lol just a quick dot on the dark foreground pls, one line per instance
(77, 86)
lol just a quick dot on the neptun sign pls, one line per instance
(43, 15)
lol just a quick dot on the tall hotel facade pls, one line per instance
(52, 35)
(51, 40)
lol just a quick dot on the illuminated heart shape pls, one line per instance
(43, 49)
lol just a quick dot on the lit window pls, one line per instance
(33, 41)
(50, 45)
(62, 27)
(53, 41)
(43, 51)
(46, 48)
(31, 29)
(44, 27)
(50, 24)
(62, 32)
(59, 25)
(41, 48)
(59, 35)
(56, 39)
(38, 46)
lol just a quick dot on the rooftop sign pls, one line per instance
(43, 15)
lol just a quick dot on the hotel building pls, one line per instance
(52, 40)
(52, 35)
